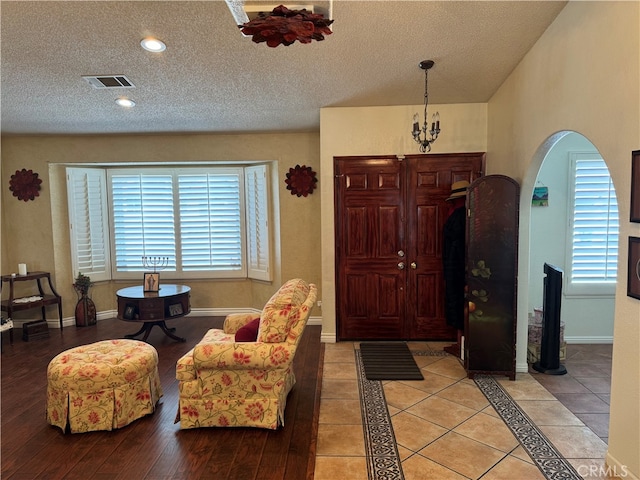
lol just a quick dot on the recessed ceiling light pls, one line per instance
(153, 45)
(125, 102)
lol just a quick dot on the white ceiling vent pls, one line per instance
(254, 10)
(108, 81)
(243, 11)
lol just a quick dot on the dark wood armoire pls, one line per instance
(492, 266)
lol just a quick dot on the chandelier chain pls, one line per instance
(426, 96)
(425, 136)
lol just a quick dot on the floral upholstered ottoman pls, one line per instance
(103, 385)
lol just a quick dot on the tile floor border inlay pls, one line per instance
(547, 458)
(429, 353)
(383, 459)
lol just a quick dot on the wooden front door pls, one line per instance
(389, 216)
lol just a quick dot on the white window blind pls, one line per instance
(211, 233)
(595, 226)
(143, 220)
(195, 216)
(88, 222)
(257, 207)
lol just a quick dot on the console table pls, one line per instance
(153, 308)
(41, 300)
(7, 324)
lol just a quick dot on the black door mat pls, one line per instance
(389, 361)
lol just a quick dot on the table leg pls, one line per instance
(168, 332)
(60, 314)
(146, 329)
(133, 335)
(10, 338)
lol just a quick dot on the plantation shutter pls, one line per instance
(143, 218)
(211, 222)
(88, 222)
(257, 207)
(595, 229)
(197, 218)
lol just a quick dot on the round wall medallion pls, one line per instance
(25, 184)
(301, 180)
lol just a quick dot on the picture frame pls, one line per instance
(175, 309)
(129, 312)
(151, 282)
(634, 215)
(633, 270)
(540, 197)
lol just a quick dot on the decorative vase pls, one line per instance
(85, 310)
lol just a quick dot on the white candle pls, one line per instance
(22, 269)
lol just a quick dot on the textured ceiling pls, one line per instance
(213, 79)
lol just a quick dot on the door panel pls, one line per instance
(389, 217)
(429, 179)
(356, 308)
(428, 305)
(369, 233)
(373, 310)
(355, 229)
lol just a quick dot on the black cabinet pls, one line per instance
(492, 268)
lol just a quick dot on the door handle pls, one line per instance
(414, 265)
(401, 266)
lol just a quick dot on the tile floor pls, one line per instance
(586, 388)
(445, 428)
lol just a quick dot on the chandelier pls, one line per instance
(424, 136)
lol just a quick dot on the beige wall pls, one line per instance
(583, 75)
(36, 232)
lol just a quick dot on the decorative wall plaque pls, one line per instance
(301, 180)
(25, 184)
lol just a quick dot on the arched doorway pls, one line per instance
(587, 310)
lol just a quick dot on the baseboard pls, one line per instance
(314, 320)
(612, 469)
(195, 312)
(219, 312)
(523, 367)
(51, 322)
(328, 337)
(589, 340)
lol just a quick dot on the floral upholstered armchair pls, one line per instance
(228, 381)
